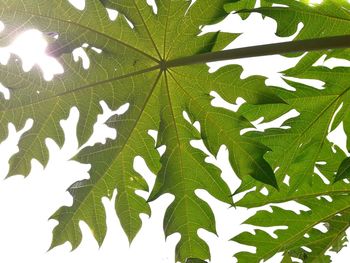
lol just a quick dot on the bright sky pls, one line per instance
(26, 204)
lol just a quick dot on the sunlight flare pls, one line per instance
(30, 47)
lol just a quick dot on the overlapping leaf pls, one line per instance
(307, 163)
(301, 155)
(302, 239)
(328, 18)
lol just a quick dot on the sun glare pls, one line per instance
(30, 46)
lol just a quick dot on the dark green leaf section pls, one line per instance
(297, 149)
(301, 236)
(306, 163)
(293, 240)
(343, 171)
(309, 131)
(296, 152)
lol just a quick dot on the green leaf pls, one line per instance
(343, 171)
(238, 5)
(327, 204)
(296, 150)
(300, 146)
(147, 61)
(301, 151)
(306, 162)
(315, 21)
(301, 239)
(243, 7)
(131, 70)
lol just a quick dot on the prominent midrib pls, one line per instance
(335, 42)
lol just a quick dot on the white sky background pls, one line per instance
(27, 203)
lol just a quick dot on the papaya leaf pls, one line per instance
(132, 69)
(305, 162)
(314, 21)
(154, 60)
(343, 171)
(302, 239)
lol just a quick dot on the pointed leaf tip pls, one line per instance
(343, 170)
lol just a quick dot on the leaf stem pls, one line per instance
(264, 50)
